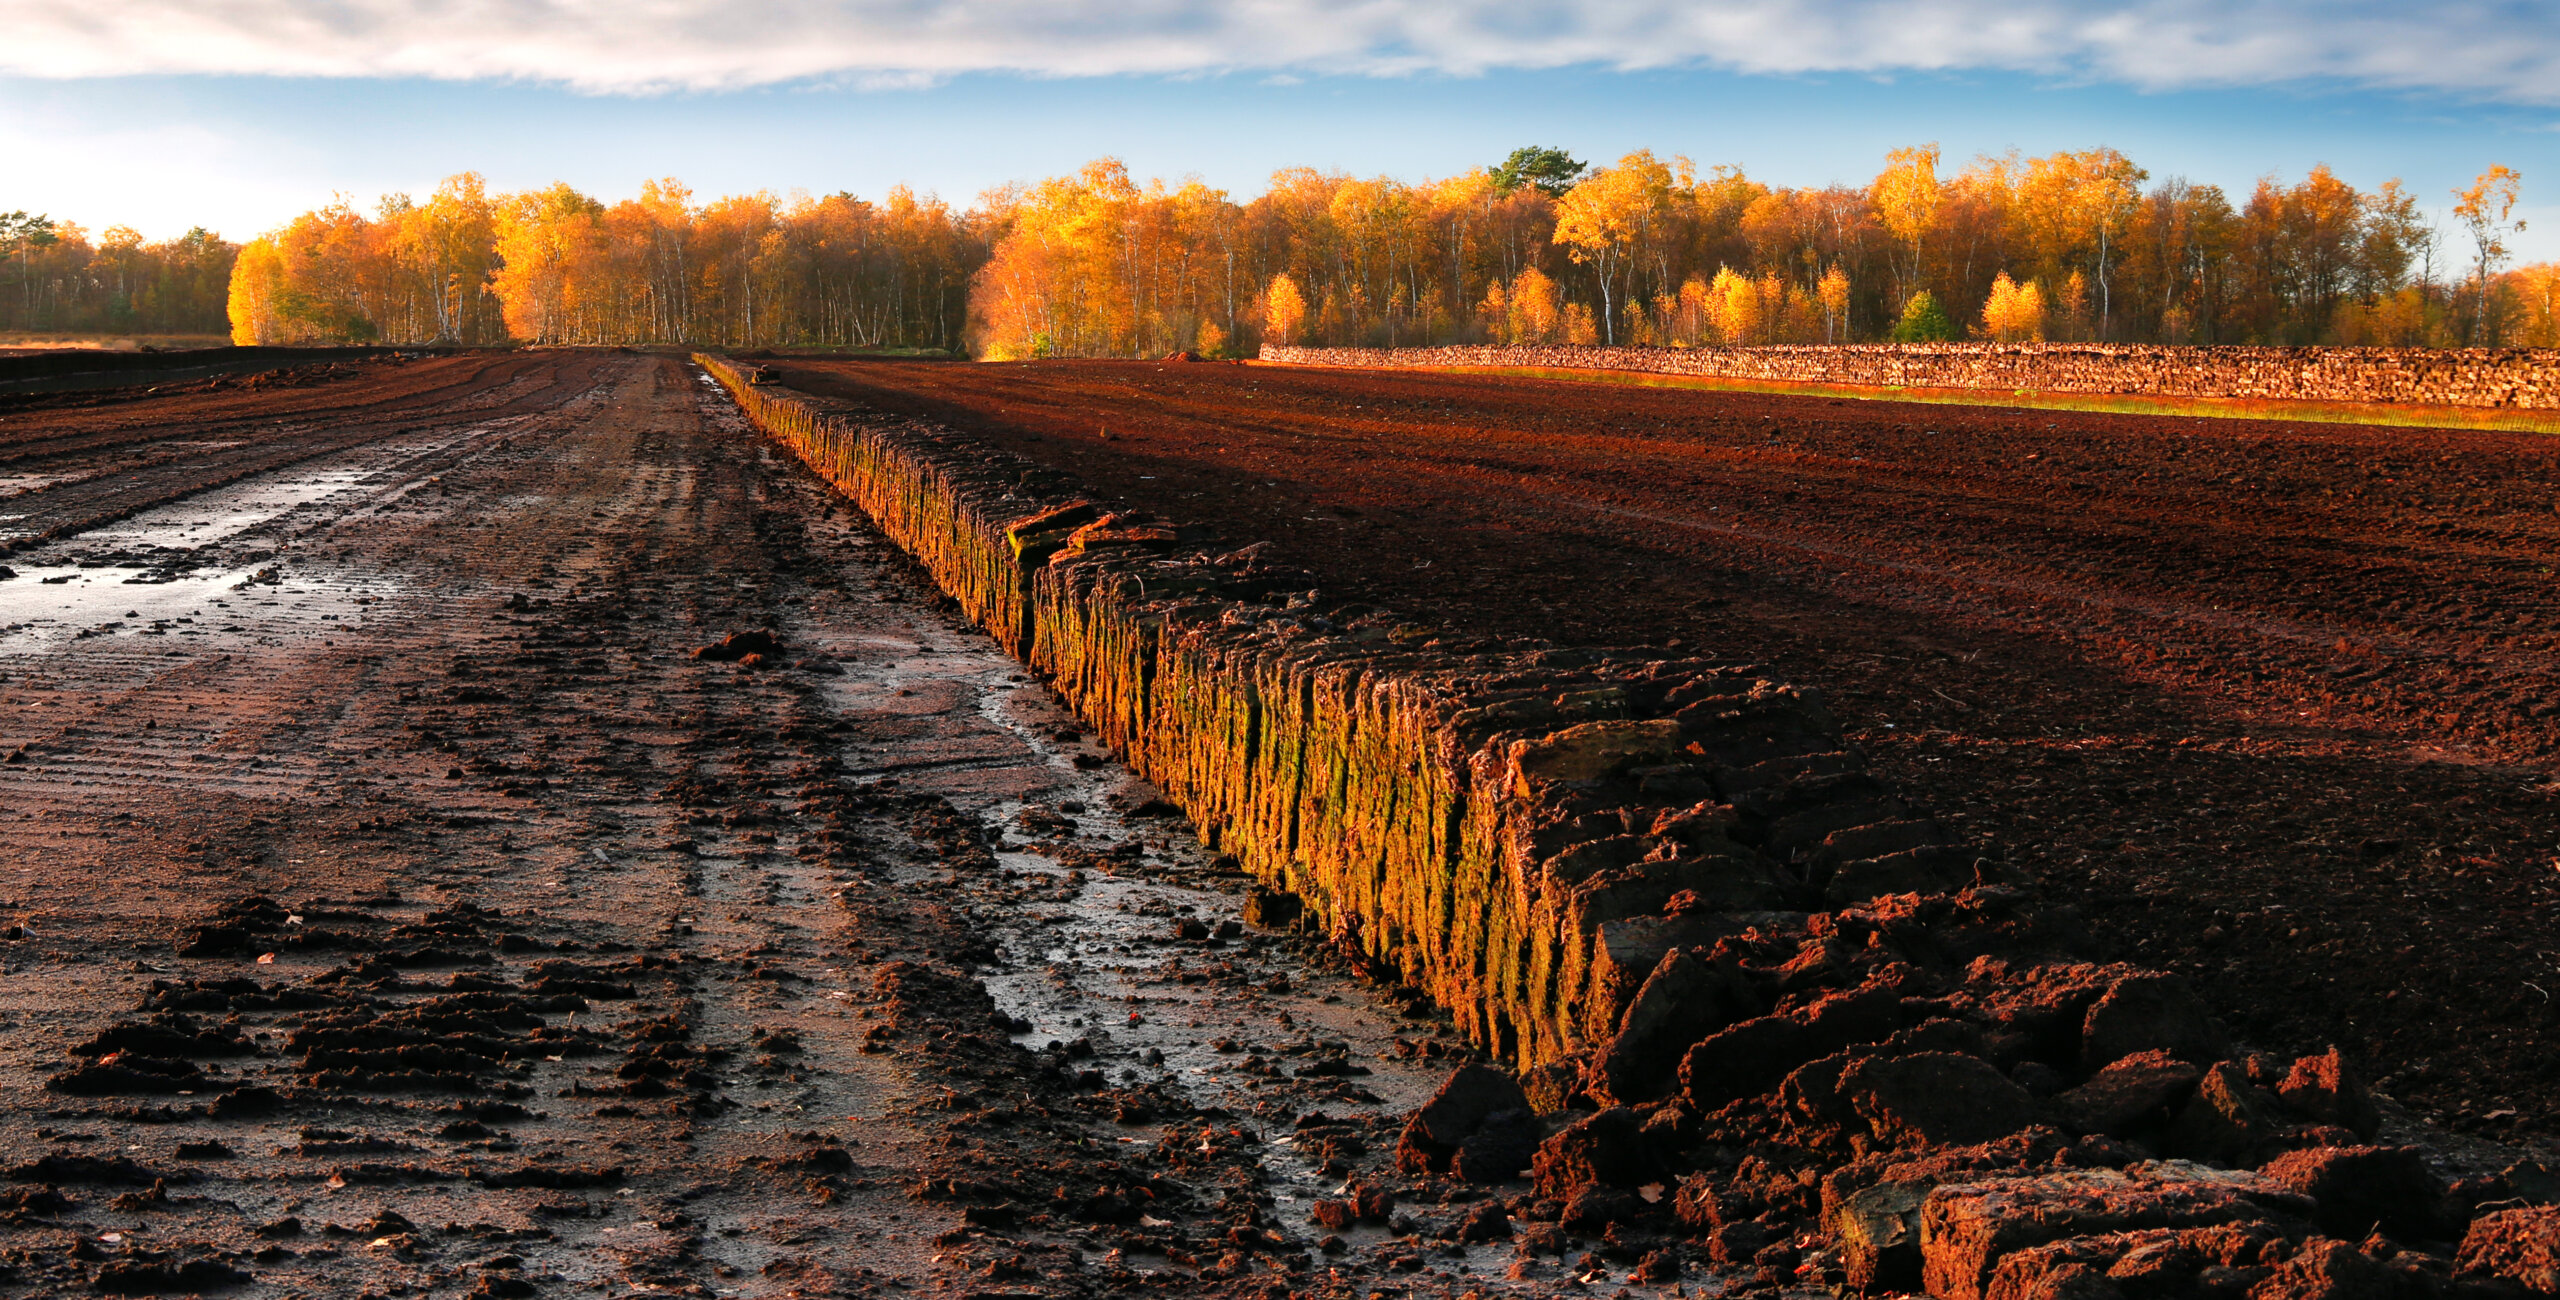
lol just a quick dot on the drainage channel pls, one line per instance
(1118, 944)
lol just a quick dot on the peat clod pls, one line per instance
(1606, 1149)
(1931, 1099)
(2518, 1246)
(2325, 1089)
(1751, 1058)
(1479, 1126)
(2135, 1094)
(2357, 1190)
(239, 994)
(738, 646)
(251, 1102)
(1271, 909)
(250, 926)
(2149, 1012)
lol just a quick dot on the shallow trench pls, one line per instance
(1096, 881)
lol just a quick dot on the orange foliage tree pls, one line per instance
(2532, 295)
(2015, 312)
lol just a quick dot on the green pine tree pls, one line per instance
(1923, 321)
(1552, 170)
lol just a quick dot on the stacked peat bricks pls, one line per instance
(1760, 1012)
(2519, 378)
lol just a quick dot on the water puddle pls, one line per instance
(207, 566)
(44, 609)
(376, 472)
(225, 513)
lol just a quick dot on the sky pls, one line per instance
(237, 114)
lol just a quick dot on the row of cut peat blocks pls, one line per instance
(1719, 955)
(2514, 378)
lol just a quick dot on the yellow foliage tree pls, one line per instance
(2392, 320)
(1096, 264)
(1734, 300)
(1611, 217)
(2484, 209)
(2074, 304)
(2535, 292)
(2015, 312)
(1579, 329)
(549, 244)
(1834, 295)
(2076, 207)
(1537, 310)
(1284, 310)
(257, 282)
(316, 281)
(1494, 313)
(1694, 319)
(445, 248)
(1906, 196)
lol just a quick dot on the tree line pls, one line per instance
(56, 279)
(2070, 246)
(554, 266)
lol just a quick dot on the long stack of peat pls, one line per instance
(1721, 955)
(2516, 378)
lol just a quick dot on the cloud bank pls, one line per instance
(2503, 50)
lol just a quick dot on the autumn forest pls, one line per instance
(1539, 248)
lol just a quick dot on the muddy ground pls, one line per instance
(393, 903)
(2277, 703)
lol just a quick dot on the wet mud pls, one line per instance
(396, 902)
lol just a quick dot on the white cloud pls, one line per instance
(2495, 49)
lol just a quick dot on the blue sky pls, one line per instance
(242, 136)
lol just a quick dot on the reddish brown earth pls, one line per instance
(2276, 702)
(391, 903)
